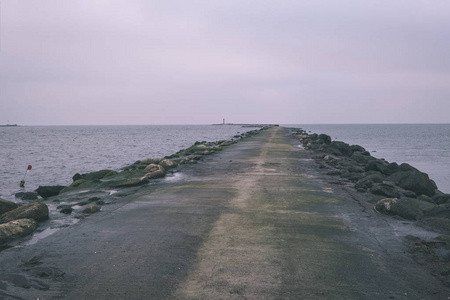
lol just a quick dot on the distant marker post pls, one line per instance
(22, 183)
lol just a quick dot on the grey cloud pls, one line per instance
(194, 61)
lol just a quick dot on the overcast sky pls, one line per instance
(196, 62)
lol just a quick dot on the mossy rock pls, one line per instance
(98, 175)
(15, 229)
(167, 163)
(148, 161)
(36, 210)
(140, 167)
(110, 174)
(131, 182)
(76, 184)
(6, 206)
(407, 208)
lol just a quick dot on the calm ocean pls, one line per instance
(424, 146)
(56, 153)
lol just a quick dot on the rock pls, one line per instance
(354, 169)
(406, 167)
(76, 177)
(154, 171)
(342, 147)
(148, 161)
(16, 229)
(226, 143)
(407, 208)
(49, 191)
(6, 206)
(441, 198)
(77, 183)
(324, 138)
(392, 168)
(377, 165)
(65, 209)
(91, 208)
(406, 194)
(352, 176)
(386, 205)
(415, 181)
(361, 158)
(37, 211)
(131, 182)
(385, 190)
(332, 172)
(368, 181)
(26, 195)
(425, 198)
(97, 175)
(439, 211)
(93, 176)
(167, 163)
(357, 148)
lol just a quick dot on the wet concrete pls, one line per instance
(255, 221)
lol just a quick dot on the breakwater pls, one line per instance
(56, 153)
(424, 146)
(88, 192)
(395, 189)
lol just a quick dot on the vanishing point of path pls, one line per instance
(255, 221)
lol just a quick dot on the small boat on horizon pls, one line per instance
(9, 125)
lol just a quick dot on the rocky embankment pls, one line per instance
(400, 191)
(89, 192)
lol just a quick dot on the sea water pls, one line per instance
(424, 146)
(56, 153)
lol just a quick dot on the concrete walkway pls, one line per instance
(255, 221)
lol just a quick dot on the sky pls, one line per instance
(109, 62)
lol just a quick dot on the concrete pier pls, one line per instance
(255, 221)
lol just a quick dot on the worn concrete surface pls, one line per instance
(255, 221)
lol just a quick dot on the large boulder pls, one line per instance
(97, 175)
(324, 138)
(26, 195)
(407, 208)
(167, 163)
(154, 171)
(357, 148)
(354, 168)
(385, 190)
(93, 176)
(441, 198)
(440, 211)
(392, 168)
(415, 181)
(351, 176)
(343, 148)
(16, 229)
(37, 211)
(377, 165)
(368, 181)
(49, 191)
(361, 158)
(131, 182)
(6, 206)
